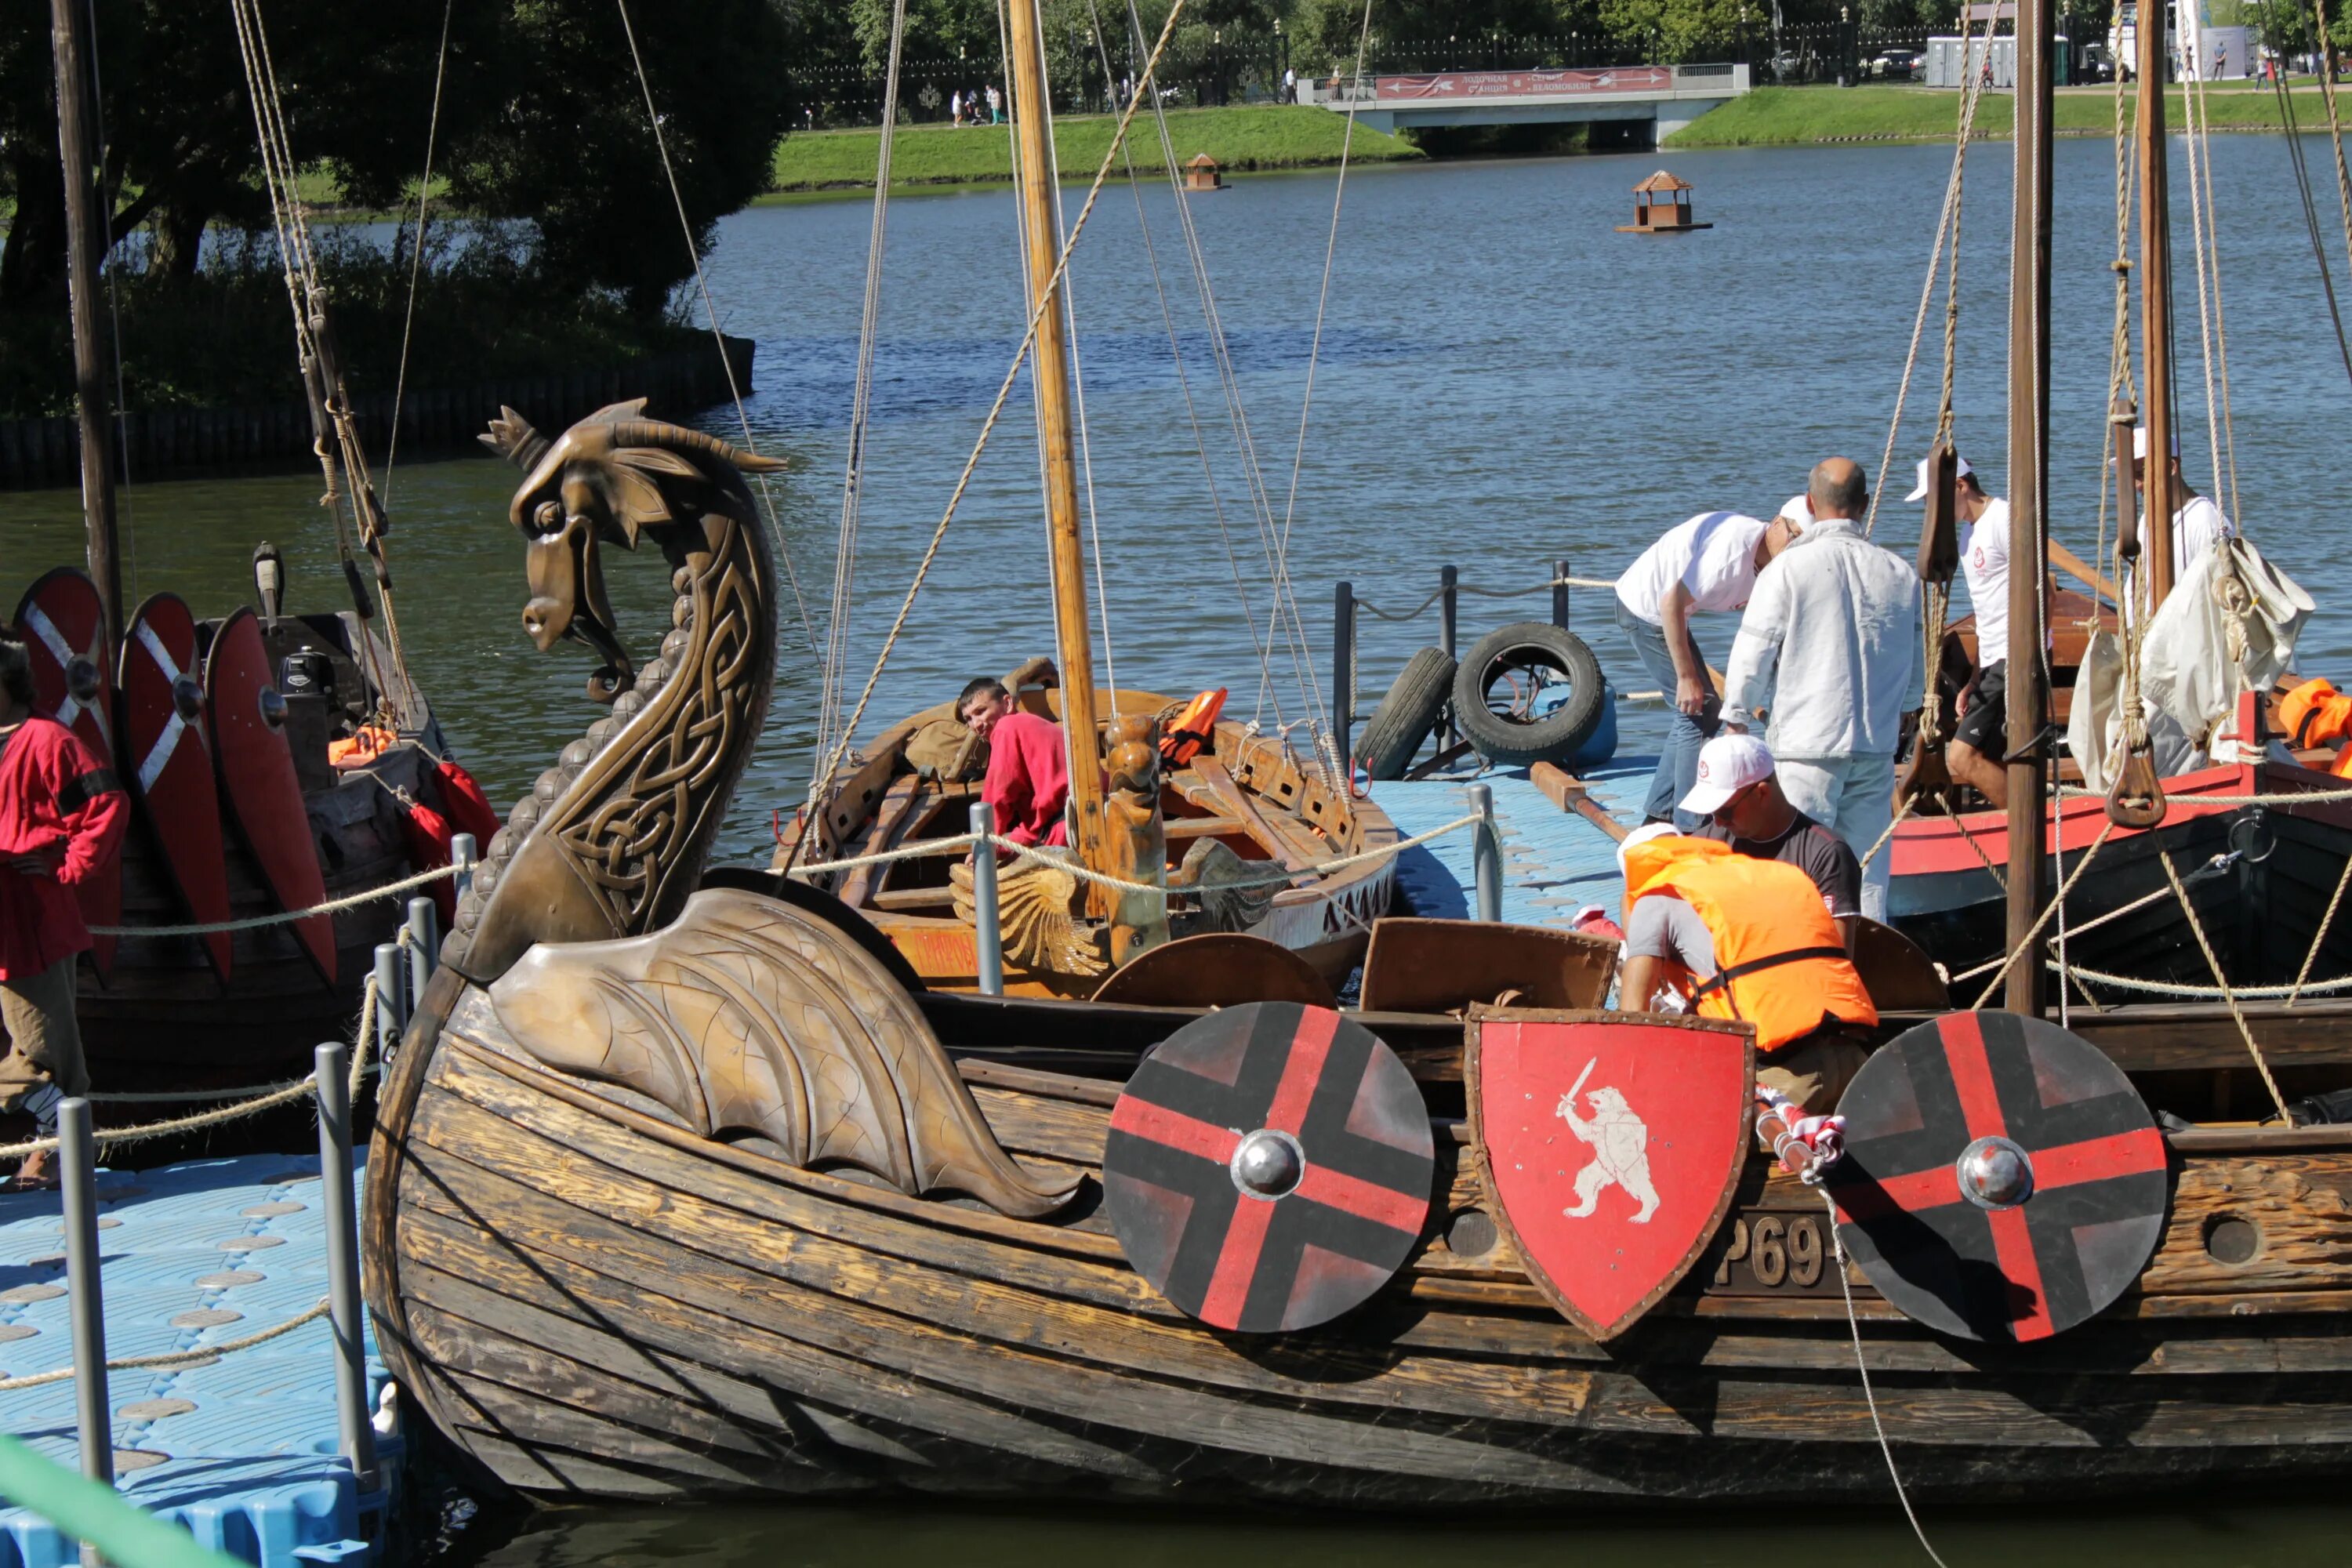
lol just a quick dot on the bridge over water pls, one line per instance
(1669, 97)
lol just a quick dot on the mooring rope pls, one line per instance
(257, 922)
(197, 1355)
(1861, 1367)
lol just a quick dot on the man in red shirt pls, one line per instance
(1028, 781)
(61, 820)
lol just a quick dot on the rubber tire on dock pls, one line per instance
(1406, 715)
(1524, 645)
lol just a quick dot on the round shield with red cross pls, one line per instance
(167, 758)
(62, 624)
(2003, 1179)
(1269, 1166)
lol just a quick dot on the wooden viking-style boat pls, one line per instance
(680, 1188)
(275, 762)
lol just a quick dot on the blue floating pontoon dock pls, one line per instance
(1554, 861)
(241, 1451)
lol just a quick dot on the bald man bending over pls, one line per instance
(1830, 646)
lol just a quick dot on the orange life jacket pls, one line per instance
(1781, 959)
(2315, 714)
(1193, 727)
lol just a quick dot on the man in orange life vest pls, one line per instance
(2317, 715)
(1028, 780)
(1734, 937)
(61, 819)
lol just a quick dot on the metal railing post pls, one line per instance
(465, 855)
(1449, 606)
(390, 1001)
(344, 1307)
(1343, 666)
(93, 1405)
(1560, 593)
(1486, 854)
(424, 945)
(987, 938)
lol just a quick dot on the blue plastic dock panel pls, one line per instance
(1554, 861)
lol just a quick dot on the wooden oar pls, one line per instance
(2082, 571)
(1569, 792)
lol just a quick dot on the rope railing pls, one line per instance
(288, 917)
(1546, 586)
(195, 1355)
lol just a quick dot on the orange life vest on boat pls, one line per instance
(1194, 727)
(1781, 959)
(2315, 714)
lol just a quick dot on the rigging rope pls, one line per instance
(835, 658)
(2214, 962)
(2310, 207)
(711, 312)
(2334, 123)
(988, 427)
(416, 256)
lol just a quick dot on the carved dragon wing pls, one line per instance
(746, 1015)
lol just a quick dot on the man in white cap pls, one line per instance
(1738, 796)
(1973, 756)
(1831, 644)
(1707, 563)
(2197, 525)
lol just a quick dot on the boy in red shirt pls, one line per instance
(1028, 783)
(61, 820)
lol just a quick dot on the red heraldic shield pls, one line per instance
(168, 762)
(1611, 1142)
(1269, 1166)
(63, 627)
(257, 771)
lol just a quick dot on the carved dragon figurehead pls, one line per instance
(611, 841)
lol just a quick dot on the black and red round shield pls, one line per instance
(2003, 1179)
(1269, 1166)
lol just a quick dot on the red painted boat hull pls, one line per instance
(62, 623)
(168, 762)
(262, 792)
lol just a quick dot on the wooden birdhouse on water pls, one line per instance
(1662, 204)
(1203, 174)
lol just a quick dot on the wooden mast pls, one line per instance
(86, 247)
(2029, 472)
(1032, 129)
(2155, 305)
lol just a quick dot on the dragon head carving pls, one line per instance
(609, 480)
(609, 841)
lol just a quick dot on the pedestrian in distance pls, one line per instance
(62, 816)
(1830, 648)
(1705, 563)
(995, 105)
(955, 107)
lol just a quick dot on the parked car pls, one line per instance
(2098, 63)
(1897, 65)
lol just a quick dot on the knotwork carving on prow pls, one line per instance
(612, 840)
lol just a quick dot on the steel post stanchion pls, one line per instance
(1486, 854)
(1343, 666)
(93, 1406)
(344, 1307)
(424, 944)
(988, 938)
(1449, 606)
(391, 1000)
(1560, 593)
(465, 855)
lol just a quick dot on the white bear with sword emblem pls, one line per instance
(1620, 1150)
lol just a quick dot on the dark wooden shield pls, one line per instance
(1269, 1166)
(167, 762)
(2099, 1179)
(63, 627)
(1216, 969)
(262, 792)
(1610, 1143)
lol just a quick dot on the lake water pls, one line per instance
(1503, 380)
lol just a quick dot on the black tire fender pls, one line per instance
(1507, 738)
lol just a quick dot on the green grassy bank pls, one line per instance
(1796, 116)
(1266, 137)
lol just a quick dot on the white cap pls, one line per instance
(1641, 835)
(1798, 510)
(2139, 443)
(1921, 493)
(1727, 764)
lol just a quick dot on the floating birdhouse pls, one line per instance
(1203, 174)
(1662, 204)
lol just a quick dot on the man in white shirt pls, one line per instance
(1706, 564)
(1979, 725)
(1831, 644)
(2197, 525)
